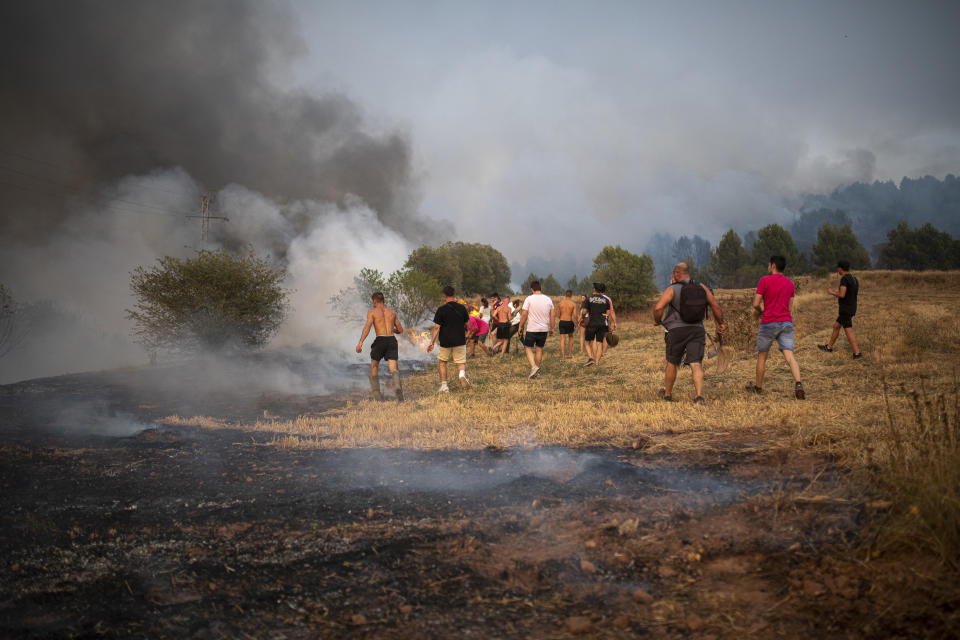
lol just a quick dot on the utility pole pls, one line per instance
(205, 201)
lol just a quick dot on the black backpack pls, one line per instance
(692, 305)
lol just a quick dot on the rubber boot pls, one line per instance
(375, 388)
(397, 389)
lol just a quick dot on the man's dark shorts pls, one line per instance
(479, 338)
(691, 340)
(565, 327)
(845, 320)
(595, 333)
(534, 338)
(384, 347)
(503, 331)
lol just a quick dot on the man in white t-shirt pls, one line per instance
(538, 316)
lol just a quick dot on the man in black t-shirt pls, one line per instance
(846, 296)
(450, 326)
(600, 318)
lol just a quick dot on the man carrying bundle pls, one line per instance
(600, 318)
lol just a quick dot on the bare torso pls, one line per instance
(502, 313)
(566, 309)
(384, 320)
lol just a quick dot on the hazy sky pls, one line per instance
(542, 126)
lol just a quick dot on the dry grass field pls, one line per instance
(884, 428)
(890, 418)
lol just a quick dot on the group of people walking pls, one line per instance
(680, 310)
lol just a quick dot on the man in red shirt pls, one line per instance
(775, 291)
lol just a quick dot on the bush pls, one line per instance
(213, 301)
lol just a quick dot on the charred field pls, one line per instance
(188, 532)
(290, 514)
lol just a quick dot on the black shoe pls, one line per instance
(857, 356)
(799, 392)
(662, 394)
(824, 347)
(699, 400)
(752, 388)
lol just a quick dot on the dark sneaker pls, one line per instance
(662, 394)
(699, 400)
(857, 356)
(824, 347)
(799, 392)
(752, 388)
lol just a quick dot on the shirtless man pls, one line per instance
(565, 311)
(502, 316)
(386, 324)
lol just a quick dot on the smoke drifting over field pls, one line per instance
(114, 120)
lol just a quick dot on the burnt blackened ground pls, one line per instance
(114, 526)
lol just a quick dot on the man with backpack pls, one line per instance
(681, 309)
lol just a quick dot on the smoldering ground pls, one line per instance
(187, 532)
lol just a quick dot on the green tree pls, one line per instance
(525, 285)
(774, 240)
(412, 294)
(923, 248)
(469, 267)
(483, 268)
(573, 284)
(838, 243)
(551, 286)
(214, 300)
(627, 276)
(439, 263)
(726, 261)
(585, 286)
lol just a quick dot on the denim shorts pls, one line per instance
(782, 331)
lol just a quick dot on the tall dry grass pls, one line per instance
(918, 465)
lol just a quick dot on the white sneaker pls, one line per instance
(534, 372)
(444, 388)
(464, 382)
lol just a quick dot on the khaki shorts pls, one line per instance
(457, 354)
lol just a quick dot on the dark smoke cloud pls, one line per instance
(102, 90)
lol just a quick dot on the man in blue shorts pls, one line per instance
(775, 291)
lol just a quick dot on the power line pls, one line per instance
(70, 188)
(65, 168)
(47, 192)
